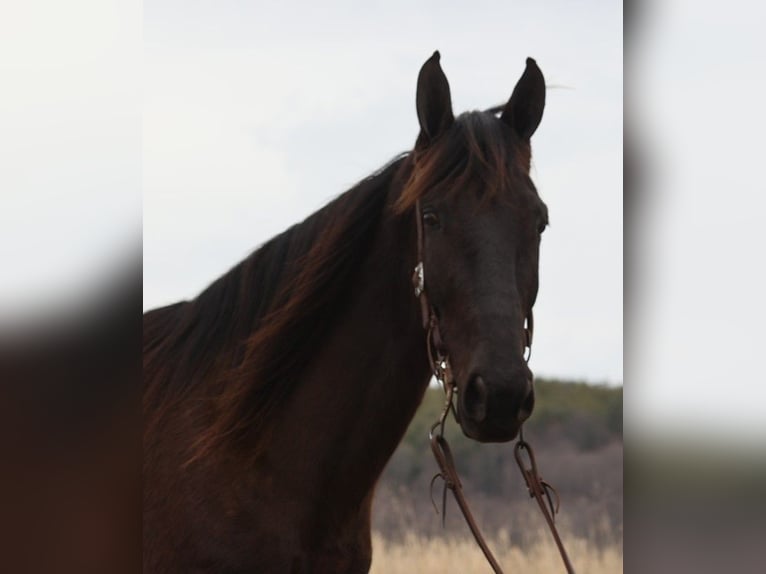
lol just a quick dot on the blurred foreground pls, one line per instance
(70, 435)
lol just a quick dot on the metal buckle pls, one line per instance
(418, 280)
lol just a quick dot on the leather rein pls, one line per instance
(538, 488)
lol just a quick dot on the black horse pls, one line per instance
(273, 400)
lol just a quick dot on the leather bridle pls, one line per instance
(440, 367)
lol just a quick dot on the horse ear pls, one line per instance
(524, 110)
(433, 101)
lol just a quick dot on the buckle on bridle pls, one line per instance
(418, 280)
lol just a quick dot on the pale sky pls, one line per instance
(257, 114)
(70, 141)
(697, 277)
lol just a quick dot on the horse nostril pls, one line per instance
(525, 411)
(475, 399)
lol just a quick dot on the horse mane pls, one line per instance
(252, 331)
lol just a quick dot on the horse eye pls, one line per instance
(431, 219)
(541, 227)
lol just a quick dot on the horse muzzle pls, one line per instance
(492, 409)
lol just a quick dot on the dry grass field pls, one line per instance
(416, 554)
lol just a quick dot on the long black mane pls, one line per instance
(258, 322)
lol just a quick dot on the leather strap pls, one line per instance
(540, 490)
(448, 473)
(427, 314)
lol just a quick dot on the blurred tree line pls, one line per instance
(576, 431)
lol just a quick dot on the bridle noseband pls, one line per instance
(440, 367)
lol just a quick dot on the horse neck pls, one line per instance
(364, 385)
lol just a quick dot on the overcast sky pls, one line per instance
(70, 140)
(257, 114)
(697, 278)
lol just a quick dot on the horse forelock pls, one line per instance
(477, 151)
